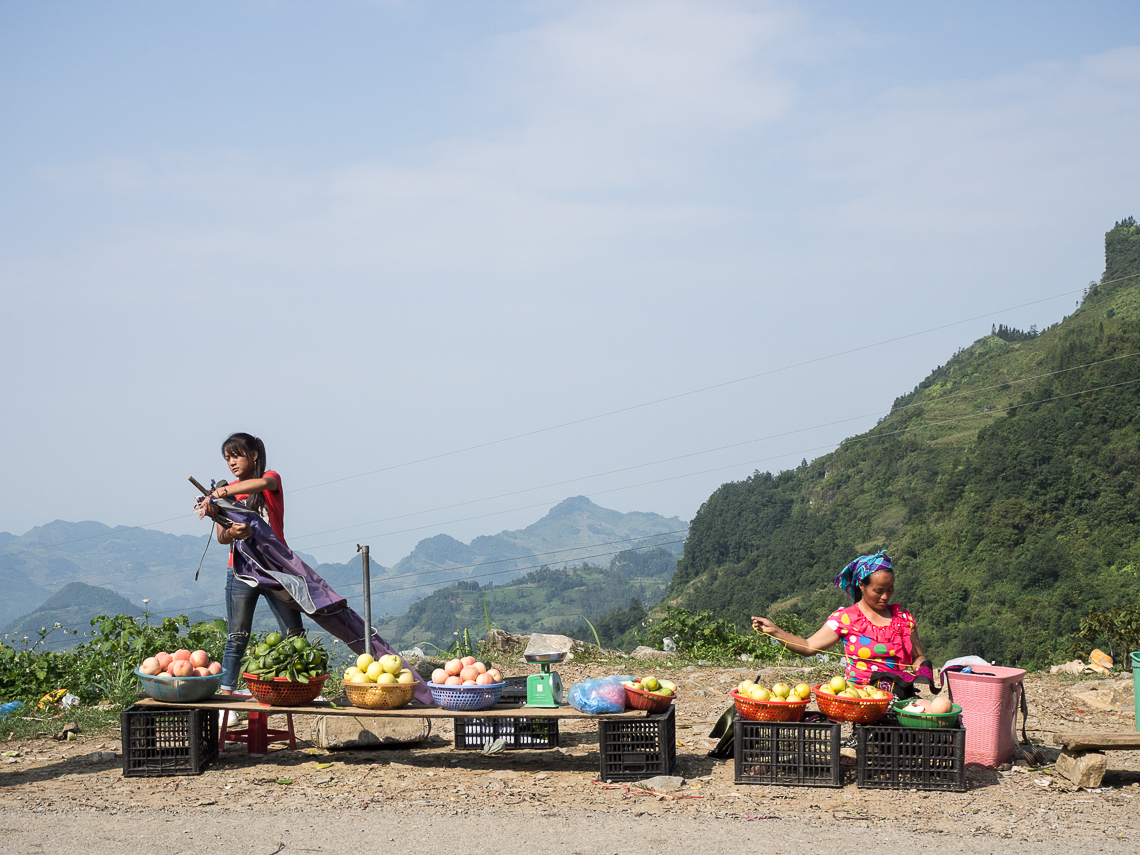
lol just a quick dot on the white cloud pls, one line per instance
(618, 113)
(621, 95)
(969, 157)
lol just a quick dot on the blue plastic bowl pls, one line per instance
(180, 690)
(468, 698)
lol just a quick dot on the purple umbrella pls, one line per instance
(263, 561)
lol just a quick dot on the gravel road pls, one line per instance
(71, 797)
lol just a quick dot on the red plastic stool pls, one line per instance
(256, 734)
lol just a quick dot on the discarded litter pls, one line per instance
(9, 708)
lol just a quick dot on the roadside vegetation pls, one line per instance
(98, 673)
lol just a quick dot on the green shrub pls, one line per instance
(102, 668)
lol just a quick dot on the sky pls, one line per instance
(456, 262)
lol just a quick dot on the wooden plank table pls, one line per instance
(1081, 760)
(257, 734)
(244, 703)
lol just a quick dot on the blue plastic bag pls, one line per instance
(598, 697)
(9, 708)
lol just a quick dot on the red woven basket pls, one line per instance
(768, 710)
(850, 709)
(281, 692)
(639, 700)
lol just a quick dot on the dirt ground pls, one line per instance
(76, 789)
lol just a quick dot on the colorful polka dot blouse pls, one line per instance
(868, 648)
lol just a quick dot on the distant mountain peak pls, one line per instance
(575, 504)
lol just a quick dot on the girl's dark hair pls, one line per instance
(247, 445)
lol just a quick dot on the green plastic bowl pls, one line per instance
(930, 720)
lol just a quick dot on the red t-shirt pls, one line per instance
(274, 509)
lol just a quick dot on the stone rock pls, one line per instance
(663, 783)
(644, 652)
(1082, 768)
(1124, 695)
(1108, 695)
(500, 639)
(335, 731)
(540, 642)
(1074, 667)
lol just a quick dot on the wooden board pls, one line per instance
(243, 703)
(1127, 741)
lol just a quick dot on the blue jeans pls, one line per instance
(241, 600)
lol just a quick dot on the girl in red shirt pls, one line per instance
(260, 489)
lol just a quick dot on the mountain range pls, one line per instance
(154, 571)
(1005, 486)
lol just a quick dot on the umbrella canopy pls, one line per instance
(263, 561)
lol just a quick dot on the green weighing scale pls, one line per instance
(545, 689)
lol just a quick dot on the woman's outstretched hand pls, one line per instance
(762, 624)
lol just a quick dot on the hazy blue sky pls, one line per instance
(379, 232)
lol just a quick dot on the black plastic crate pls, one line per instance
(158, 742)
(635, 748)
(788, 753)
(910, 758)
(530, 733)
(514, 692)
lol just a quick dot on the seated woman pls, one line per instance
(880, 642)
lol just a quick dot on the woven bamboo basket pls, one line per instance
(379, 696)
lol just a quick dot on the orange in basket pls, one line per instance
(768, 710)
(851, 709)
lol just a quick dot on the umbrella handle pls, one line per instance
(205, 492)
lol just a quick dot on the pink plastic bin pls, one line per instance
(989, 699)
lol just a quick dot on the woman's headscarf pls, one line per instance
(859, 569)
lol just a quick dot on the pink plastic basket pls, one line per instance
(988, 698)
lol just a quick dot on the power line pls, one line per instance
(540, 555)
(190, 562)
(693, 454)
(866, 438)
(926, 402)
(611, 412)
(701, 390)
(460, 579)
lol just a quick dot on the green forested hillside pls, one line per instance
(1006, 486)
(545, 600)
